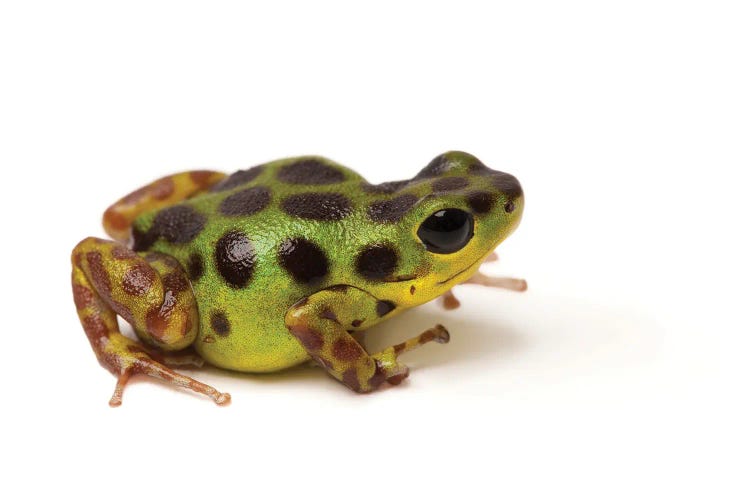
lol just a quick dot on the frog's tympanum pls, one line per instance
(279, 264)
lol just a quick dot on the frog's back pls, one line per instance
(264, 238)
(256, 243)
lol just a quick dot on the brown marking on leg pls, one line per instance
(96, 283)
(346, 350)
(351, 380)
(310, 339)
(139, 279)
(82, 296)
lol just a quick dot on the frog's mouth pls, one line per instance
(462, 271)
(400, 278)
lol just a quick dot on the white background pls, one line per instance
(621, 373)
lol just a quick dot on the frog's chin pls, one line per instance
(463, 274)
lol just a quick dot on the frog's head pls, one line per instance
(460, 210)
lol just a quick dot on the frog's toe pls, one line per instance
(402, 373)
(138, 362)
(449, 301)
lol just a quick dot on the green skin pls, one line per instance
(281, 313)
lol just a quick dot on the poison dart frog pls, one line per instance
(279, 264)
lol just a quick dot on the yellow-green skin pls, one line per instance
(253, 336)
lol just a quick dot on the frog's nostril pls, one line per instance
(509, 207)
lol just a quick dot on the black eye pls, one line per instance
(446, 231)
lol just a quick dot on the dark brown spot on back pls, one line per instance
(238, 178)
(481, 202)
(246, 202)
(392, 210)
(304, 260)
(138, 279)
(377, 261)
(220, 323)
(235, 258)
(177, 224)
(507, 184)
(449, 184)
(195, 266)
(383, 307)
(317, 206)
(310, 172)
(357, 323)
(479, 168)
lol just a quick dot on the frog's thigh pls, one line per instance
(160, 193)
(149, 291)
(320, 323)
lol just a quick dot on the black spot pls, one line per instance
(143, 240)
(220, 323)
(310, 171)
(357, 323)
(304, 260)
(383, 307)
(438, 166)
(384, 188)
(377, 262)
(481, 202)
(509, 207)
(235, 258)
(479, 168)
(392, 210)
(177, 224)
(195, 266)
(507, 184)
(449, 184)
(246, 202)
(238, 178)
(317, 206)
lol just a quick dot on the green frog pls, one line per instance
(281, 263)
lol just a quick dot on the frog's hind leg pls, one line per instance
(151, 292)
(160, 193)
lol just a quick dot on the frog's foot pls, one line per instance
(130, 360)
(152, 293)
(449, 301)
(515, 284)
(323, 323)
(387, 361)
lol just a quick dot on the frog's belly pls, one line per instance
(255, 340)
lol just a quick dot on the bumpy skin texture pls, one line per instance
(285, 259)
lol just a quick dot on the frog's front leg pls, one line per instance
(449, 301)
(323, 322)
(151, 292)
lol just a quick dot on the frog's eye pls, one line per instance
(446, 231)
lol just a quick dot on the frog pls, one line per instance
(284, 263)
